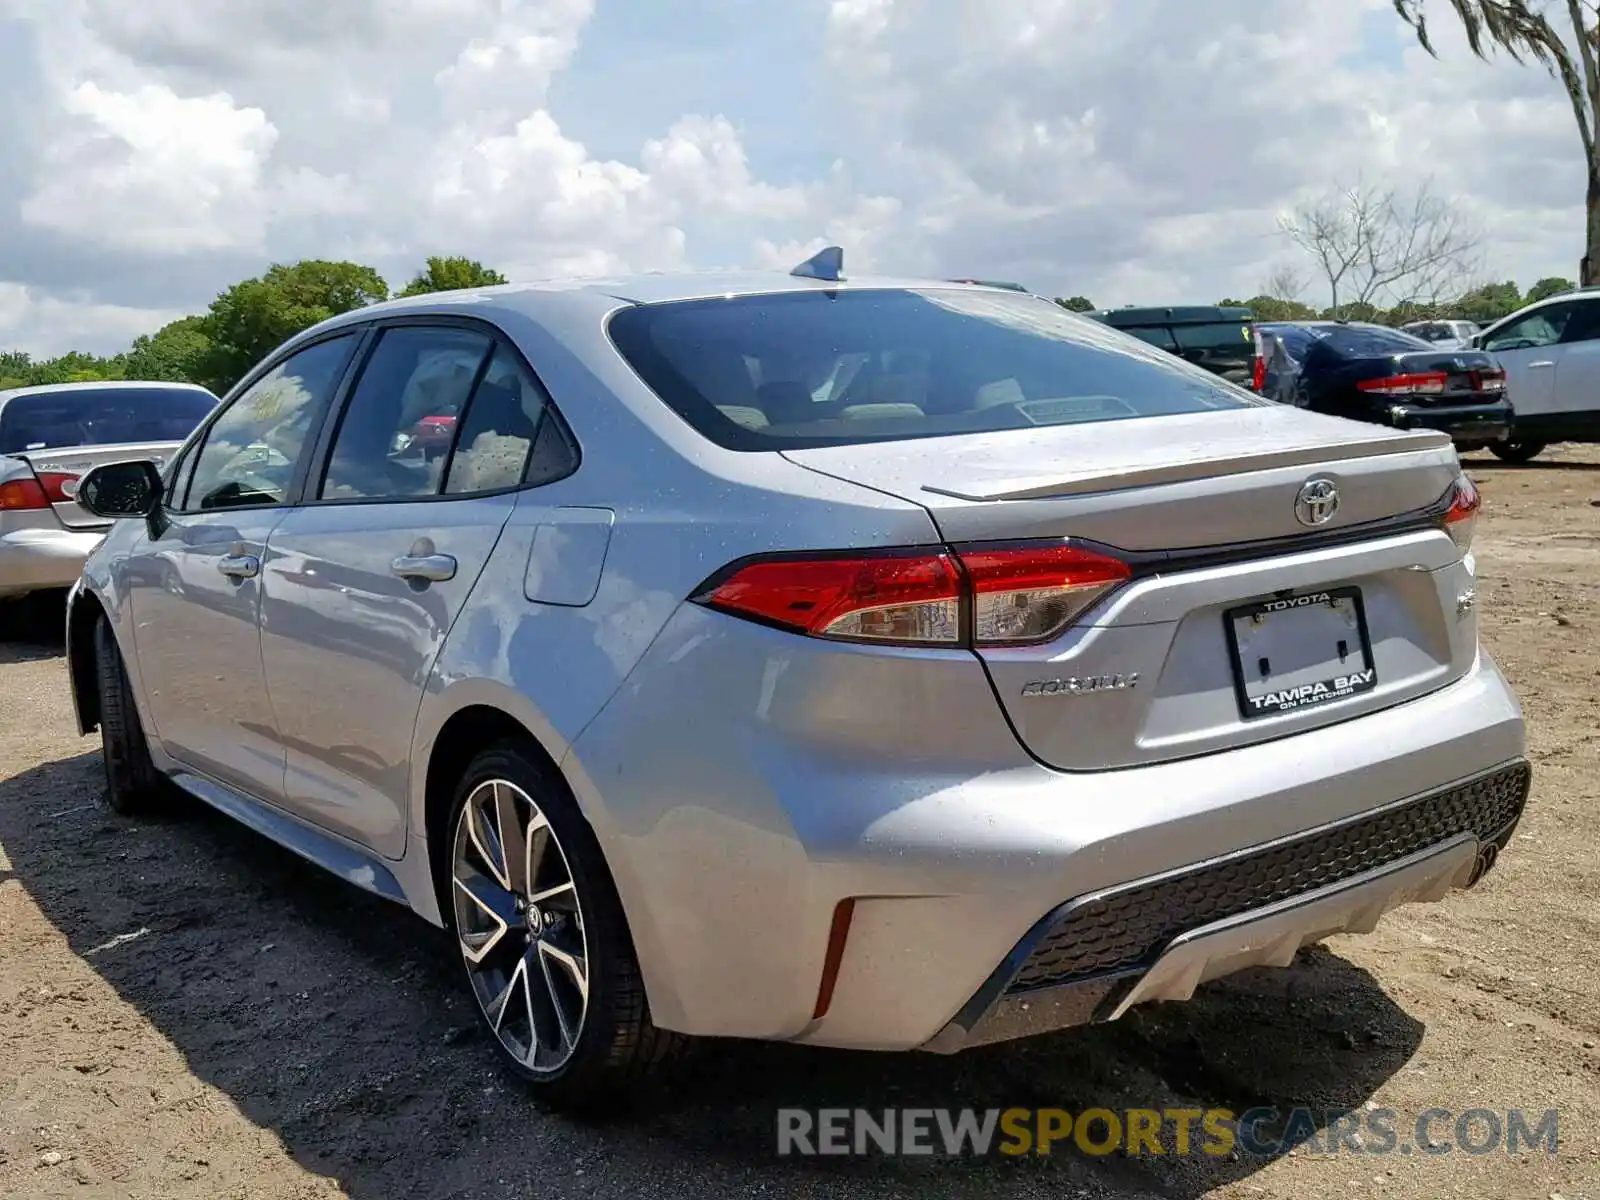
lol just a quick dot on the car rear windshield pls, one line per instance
(822, 368)
(100, 417)
(1359, 341)
(1435, 332)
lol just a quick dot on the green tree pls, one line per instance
(1355, 310)
(452, 274)
(250, 319)
(1571, 54)
(1488, 302)
(1076, 303)
(71, 367)
(15, 367)
(1273, 308)
(1553, 285)
(177, 352)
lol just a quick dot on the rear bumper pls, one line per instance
(1470, 425)
(759, 793)
(36, 559)
(1097, 956)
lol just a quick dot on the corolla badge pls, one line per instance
(1316, 502)
(1081, 685)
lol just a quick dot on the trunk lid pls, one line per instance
(1470, 376)
(1204, 506)
(74, 462)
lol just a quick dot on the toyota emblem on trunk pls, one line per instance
(1316, 502)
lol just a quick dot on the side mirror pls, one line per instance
(121, 489)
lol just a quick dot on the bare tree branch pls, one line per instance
(1374, 245)
(1523, 31)
(1284, 282)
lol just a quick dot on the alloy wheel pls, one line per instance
(519, 921)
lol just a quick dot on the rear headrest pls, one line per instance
(498, 409)
(786, 402)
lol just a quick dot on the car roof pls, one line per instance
(1178, 314)
(546, 298)
(92, 385)
(666, 288)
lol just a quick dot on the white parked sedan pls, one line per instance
(50, 436)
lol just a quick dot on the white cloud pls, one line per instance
(47, 325)
(1125, 149)
(150, 170)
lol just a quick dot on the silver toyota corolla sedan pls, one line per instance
(49, 436)
(854, 662)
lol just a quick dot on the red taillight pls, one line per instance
(1258, 373)
(55, 484)
(1005, 595)
(1489, 379)
(23, 493)
(1462, 516)
(1418, 383)
(901, 596)
(1027, 593)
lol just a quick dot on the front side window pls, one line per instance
(395, 434)
(1542, 327)
(820, 368)
(251, 451)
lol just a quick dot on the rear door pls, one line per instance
(364, 580)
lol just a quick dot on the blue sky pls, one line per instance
(1130, 150)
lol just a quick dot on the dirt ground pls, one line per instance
(187, 1011)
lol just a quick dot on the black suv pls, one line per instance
(1222, 340)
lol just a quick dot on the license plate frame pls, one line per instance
(1305, 693)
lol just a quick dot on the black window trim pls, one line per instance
(304, 494)
(189, 454)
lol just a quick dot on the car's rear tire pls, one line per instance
(541, 933)
(133, 785)
(1516, 452)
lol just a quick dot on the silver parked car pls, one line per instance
(850, 662)
(50, 436)
(1446, 335)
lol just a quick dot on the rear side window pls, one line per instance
(100, 417)
(498, 434)
(1222, 337)
(1294, 340)
(1156, 335)
(819, 368)
(396, 432)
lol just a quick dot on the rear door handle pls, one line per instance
(1547, 362)
(239, 566)
(430, 568)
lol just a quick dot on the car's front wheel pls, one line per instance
(133, 785)
(542, 935)
(1516, 453)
